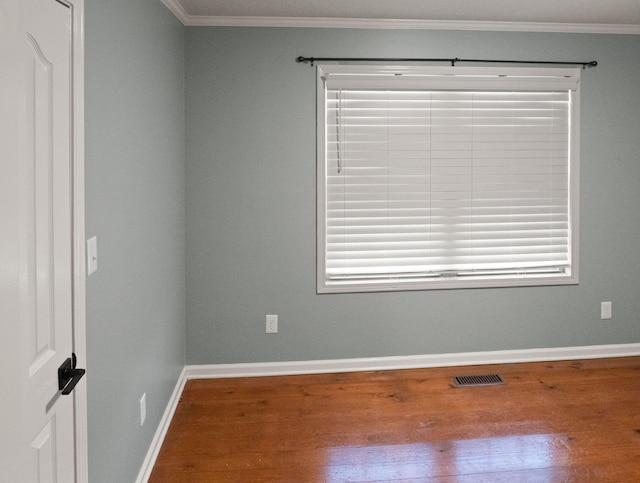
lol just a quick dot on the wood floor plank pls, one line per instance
(561, 421)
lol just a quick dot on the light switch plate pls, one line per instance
(92, 255)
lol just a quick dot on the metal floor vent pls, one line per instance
(485, 380)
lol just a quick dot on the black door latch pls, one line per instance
(68, 375)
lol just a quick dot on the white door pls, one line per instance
(40, 235)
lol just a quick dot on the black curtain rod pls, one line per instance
(311, 60)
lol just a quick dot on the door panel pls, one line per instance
(44, 448)
(47, 228)
(40, 158)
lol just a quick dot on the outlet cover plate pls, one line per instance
(143, 408)
(605, 310)
(272, 324)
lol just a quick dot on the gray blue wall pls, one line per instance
(135, 159)
(251, 219)
(250, 212)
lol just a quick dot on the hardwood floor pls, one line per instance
(574, 421)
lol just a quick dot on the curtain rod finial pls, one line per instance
(305, 60)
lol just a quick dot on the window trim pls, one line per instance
(324, 286)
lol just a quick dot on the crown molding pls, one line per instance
(407, 24)
(178, 11)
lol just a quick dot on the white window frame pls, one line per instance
(457, 78)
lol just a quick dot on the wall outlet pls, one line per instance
(605, 310)
(272, 324)
(143, 408)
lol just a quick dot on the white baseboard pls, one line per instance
(161, 432)
(410, 362)
(211, 371)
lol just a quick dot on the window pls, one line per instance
(446, 177)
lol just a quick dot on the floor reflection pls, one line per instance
(463, 457)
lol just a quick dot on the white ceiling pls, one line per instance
(600, 16)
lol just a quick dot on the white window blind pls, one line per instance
(434, 178)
